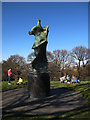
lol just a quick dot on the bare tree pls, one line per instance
(61, 57)
(16, 63)
(70, 60)
(50, 56)
(30, 57)
(53, 69)
(57, 57)
(80, 55)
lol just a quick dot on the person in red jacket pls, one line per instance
(9, 76)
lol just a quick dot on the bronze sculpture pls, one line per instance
(39, 80)
(39, 63)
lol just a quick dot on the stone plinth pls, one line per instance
(38, 85)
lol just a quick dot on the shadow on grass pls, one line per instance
(62, 103)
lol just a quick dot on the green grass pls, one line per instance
(82, 113)
(13, 85)
(83, 87)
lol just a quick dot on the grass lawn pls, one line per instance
(84, 112)
(13, 85)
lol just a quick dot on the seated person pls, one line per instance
(74, 80)
(20, 81)
(68, 79)
(77, 81)
(62, 79)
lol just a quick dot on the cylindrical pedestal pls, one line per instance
(38, 85)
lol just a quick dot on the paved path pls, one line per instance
(60, 101)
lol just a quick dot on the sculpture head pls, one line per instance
(35, 30)
(39, 22)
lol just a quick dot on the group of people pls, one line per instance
(67, 79)
(64, 79)
(20, 81)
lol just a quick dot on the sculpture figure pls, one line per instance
(39, 63)
(39, 80)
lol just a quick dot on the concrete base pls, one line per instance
(38, 85)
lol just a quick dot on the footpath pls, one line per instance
(60, 101)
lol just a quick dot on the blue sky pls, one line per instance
(68, 26)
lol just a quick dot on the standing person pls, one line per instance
(9, 76)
